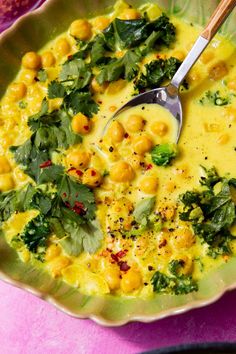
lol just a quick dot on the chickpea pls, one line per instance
(179, 55)
(131, 281)
(6, 182)
(206, 57)
(135, 123)
(232, 85)
(92, 178)
(62, 47)
(4, 165)
(135, 161)
(230, 114)
(100, 23)
(31, 60)
(17, 90)
(78, 159)
(58, 264)
(116, 86)
(52, 252)
(122, 172)
(81, 29)
(112, 277)
(142, 144)
(48, 59)
(116, 132)
(159, 128)
(112, 109)
(130, 14)
(97, 88)
(81, 124)
(218, 71)
(182, 238)
(149, 185)
(28, 76)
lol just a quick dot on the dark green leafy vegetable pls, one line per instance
(174, 284)
(163, 154)
(35, 233)
(211, 214)
(156, 72)
(125, 67)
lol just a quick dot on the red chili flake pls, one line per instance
(71, 169)
(114, 257)
(79, 173)
(100, 102)
(93, 173)
(121, 253)
(67, 204)
(109, 250)
(86, 127)
(149, 167)
(69, 57)
(123, 266)
(158, 56)
(126, 135)
(142, 91)
(79, 205)
(64, 195)
(46, 164)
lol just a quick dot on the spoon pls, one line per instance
(168, 96)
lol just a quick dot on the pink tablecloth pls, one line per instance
(30, 326)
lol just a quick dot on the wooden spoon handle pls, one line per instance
(217, 19)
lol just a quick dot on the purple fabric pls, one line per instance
(29, 325)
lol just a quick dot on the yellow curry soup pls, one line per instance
(127, 212)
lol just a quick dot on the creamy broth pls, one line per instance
(117, 167)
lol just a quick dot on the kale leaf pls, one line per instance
(156, 72)
(211, 213)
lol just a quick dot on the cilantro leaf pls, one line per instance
(82, 238)
(42, 75)
(56, 89)
(126, 67)
(143, 209)
(81, 102)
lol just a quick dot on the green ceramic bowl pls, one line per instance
(32, 32)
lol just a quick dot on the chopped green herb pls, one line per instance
(42, 75)
(156, 72)
(214, 98)
(163, 154)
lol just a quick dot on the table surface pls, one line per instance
(30, 325)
